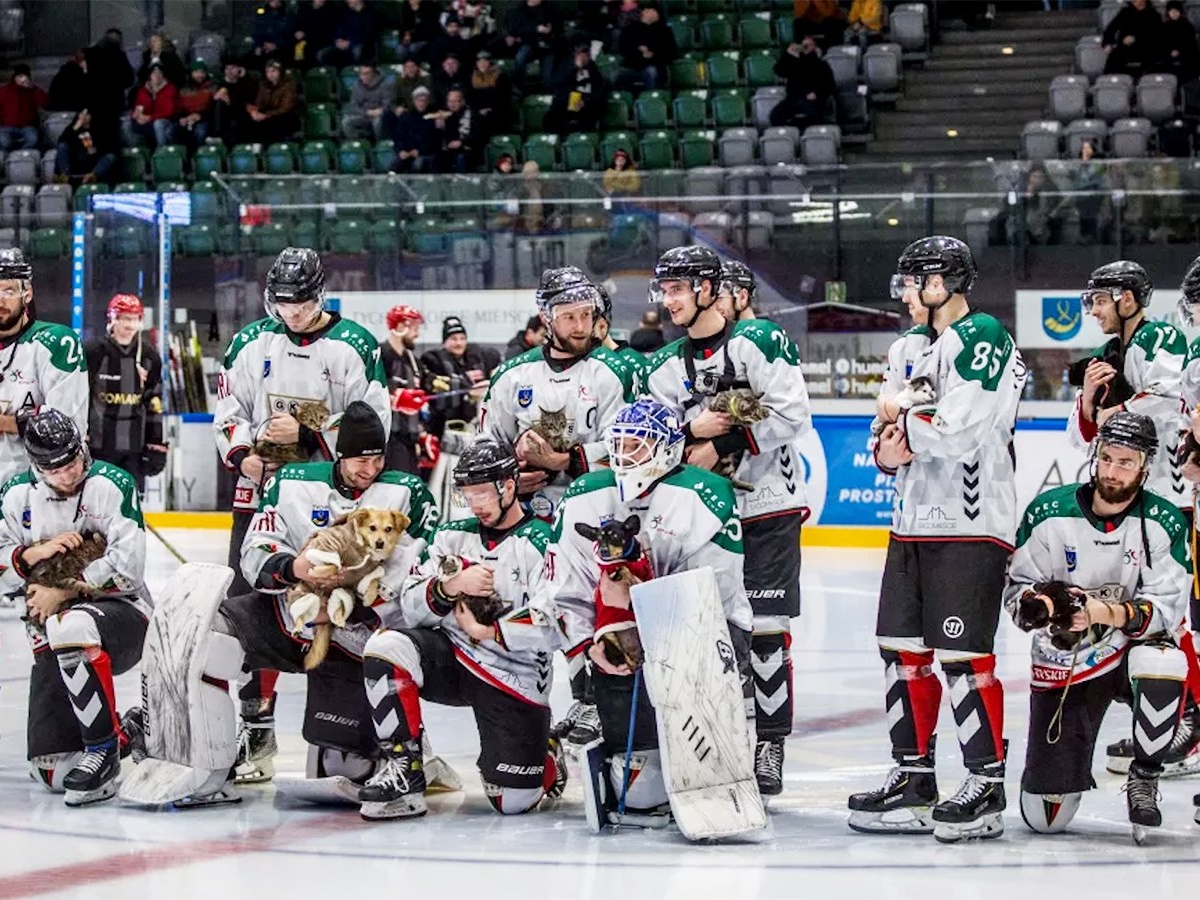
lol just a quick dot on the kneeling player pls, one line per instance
(1100, 574)
(80, 636)
(688, 520)
(477, 637)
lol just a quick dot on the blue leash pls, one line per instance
(637, 686)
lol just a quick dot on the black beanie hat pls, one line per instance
(361, 432)
(452, 325)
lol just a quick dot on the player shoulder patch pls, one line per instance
(673, 350)
(771, 340)
(1057, 503)
(247, 336)
(1172, 521)
(470, 526)
(66, 352)
(537, 532)
(1156, 337)
(20, 478)
(713, 490)
(359, 339)
(124, 483)
(591, 481)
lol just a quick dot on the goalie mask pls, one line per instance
(936, 255)
(1189, 295)
(296, 281)
(645, 443)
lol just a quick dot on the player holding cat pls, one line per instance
(299, 354)
(50, 513)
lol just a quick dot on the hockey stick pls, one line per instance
(637, 686)
(162, 540)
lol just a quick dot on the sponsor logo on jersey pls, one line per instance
(953, 627)
(934, 518)
(243, 495)
(294, 355)
(1072, 558)
(656, 524)
(266, 367)
(770, 594)
(585, 396)
(524, 395)
(26, 518)
(345, 721)
(512, 769)
(320, 516)
(1062, 317)
(20, 378)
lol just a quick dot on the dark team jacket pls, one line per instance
(403, 370)
(442, 362)
(126, 408)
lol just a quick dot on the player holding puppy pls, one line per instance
(1101, 576)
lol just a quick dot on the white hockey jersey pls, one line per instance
(961, 483)
(1144, 558)
(301, 498)
(902, 356)
(107, 504)
(688, 520)
(43, 365)
(755, 354)
(1190, 378)
(520, 661)
(589, 392)
(1154, 363)
(268, 371)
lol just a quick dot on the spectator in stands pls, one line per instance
(475, 21)
(411, 78)
(69, 89)
(20, 104)
(648, 336)
(416, 137)
(821, 18)
(505, 164)
(1131, 39)
(273, 115)
(355, 37)
(865, 22)
(161, 52)
(455, 366)
(621, 179)
(532, 207)
(450, 40)
(490, 94)
(419, 24)
(1090, 179)
(533, 27)
(230, 118)
(316, 22)
(448, 75)
(1037, 220)
(196, 104)
(274, 32)
(155, 109)
(462, 140)
(1180, 55)
(532, 335)
(647, 46)
(109, 77)
(579, 94)
(80, 158)
(362, 118)
(809, 83)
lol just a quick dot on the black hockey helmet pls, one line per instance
(565, 286)
(940, 255)
(736, 275)
(486, 461)
(51, 439)
(296, 276)
(691, 263)
(1129, 429)
(14, 265)
(1122, 275)
(1189, 292)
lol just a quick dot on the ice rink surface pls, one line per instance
(264, 849)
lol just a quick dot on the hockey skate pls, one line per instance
(133, 727)
(1141, 798)
(554, 749)
(1183, 756)
(768, 767)
(580, 726)
(256, 751)
(94, 777)
(397, 789)
(976, 809)
(904, 805)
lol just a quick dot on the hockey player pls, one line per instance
(953, 524)
(404, 375)
(44, 363)
(125, 377)
(1100, 575)
(688, 520)
(572, 387)
(755, 356)
(500, 666)
(735, 295)
(897, 394)
(300, 355)
(79, 640)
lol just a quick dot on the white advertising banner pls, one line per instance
(491, 317)
(1055, 318)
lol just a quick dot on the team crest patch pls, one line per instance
(524, 395)
(1072, 559)
(320, 517)
(26, 518)
(266, 367)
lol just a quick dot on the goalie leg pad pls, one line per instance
(647, 792)
(1049, 813)
(977, 698)
(393, 677)
(913, 695)
(771, 669)
(1158, 673)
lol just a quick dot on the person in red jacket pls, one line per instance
(20, 101)
(155, 109)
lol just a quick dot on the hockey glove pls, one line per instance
(154, 459)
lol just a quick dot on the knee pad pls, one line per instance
(50, 770)
(1163, 661)
(73, 628)
(772, 625)
(510, 800)
(1049, 813)
(397, 649)
(647, 789)
(328, 762)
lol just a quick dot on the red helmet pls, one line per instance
(124, 305)
(400, 313)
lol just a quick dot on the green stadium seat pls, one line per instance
(760, 69)
(171, 187)
(167, 163)
(383, 156)
(389, 47)
(542, 149)
(691, 110)
(129, 241)
(320, 85)
(696, 149)
(349, 236)
(316, 158)
(281, 159)
(209, 160)
(132, 187)
(628, 233)
(135, 164)
(716, 32)
(688, 73)
(684, 28)
(244, 160)
(616, 110)
(501, 144)
(384, 236)
(306, 233)
(81, 199)
(346, 78)
(722, 70)
(609, 65)
(729, 109)
(352, 157)
(657, 150)
(197, 240)
(320, 121)
(533, 112)
(784, 27)
(618, 140)
(426, 237)
(270, 240)
(49, 243)
(754, 31)
(208, 201)
(579, 151)
(650, 113)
